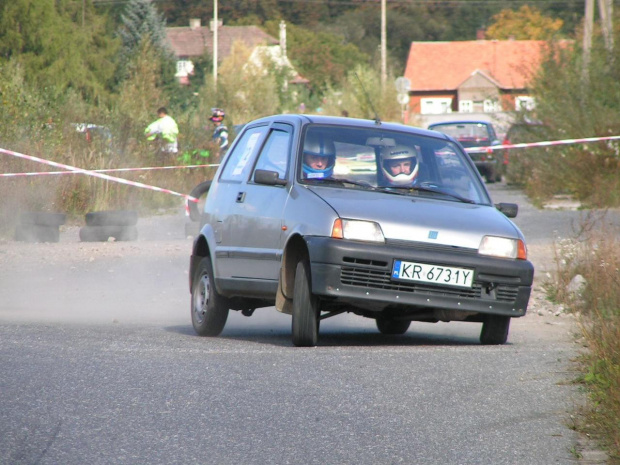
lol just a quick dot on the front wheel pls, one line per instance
(209, 309)
(495, 330)
(305, 308)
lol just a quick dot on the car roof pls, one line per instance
(303, 119)
(461, 122)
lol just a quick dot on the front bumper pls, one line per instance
(360, 274)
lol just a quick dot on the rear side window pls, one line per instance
(238, 161)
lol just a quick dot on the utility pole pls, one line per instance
(587, 36)
(383, 46)
(215, 28)
(606, 11)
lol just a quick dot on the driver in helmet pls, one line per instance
(399, 165)
(319, 157)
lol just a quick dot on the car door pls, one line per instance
(238, 166)
(255, 218)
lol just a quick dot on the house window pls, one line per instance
(435, 106)
(490, 106)
(184, 68)
(523, 102)
(466, 106)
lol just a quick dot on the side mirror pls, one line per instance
(508, 209)
(271, 178)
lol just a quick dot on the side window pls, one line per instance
(275, 153)
(238, 161)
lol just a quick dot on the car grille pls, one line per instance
(380, 279)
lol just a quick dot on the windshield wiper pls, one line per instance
(426, 189)
(340, 181)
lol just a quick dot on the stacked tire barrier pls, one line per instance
(101, 226)
(39, 227)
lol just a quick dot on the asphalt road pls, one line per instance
(99, 364)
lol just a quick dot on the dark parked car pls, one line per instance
(491, 165)
(319, 215)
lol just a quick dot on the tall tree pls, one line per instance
(59, 45)
(142, 21)
(528, 23)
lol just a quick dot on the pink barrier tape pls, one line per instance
(539, 144)
(110, 170)
(97, 175)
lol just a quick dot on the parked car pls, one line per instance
(319, 242)
(491, 165)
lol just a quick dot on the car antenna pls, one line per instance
(377, 120)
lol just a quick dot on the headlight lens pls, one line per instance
(502, 247)
(357, 230)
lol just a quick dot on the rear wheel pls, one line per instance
(391, 326)
(305, 308)
(495, 330)
(209, 309)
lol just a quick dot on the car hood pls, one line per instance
(421, 219)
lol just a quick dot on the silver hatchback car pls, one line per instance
(319, 215)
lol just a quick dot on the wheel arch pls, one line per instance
(200, 250)
(296, 249)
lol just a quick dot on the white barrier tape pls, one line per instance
(539, 144)
(97, 175)
(109, 170)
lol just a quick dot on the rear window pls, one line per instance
(477, 133)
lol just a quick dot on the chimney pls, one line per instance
(194, 23)
(480, 34)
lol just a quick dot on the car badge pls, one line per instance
(433, 234)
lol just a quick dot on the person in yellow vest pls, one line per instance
(165, 128)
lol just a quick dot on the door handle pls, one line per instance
(240, 197)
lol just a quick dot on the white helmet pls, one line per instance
(400, 153)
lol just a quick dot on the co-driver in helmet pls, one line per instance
(319, 157)
(399, 165)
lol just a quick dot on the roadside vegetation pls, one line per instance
(577, 101)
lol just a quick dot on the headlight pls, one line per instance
(502, 247)
(357, 230)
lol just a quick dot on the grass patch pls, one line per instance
(594, 254)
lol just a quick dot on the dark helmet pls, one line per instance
(399, 153)
(317, 146)
(217, 115)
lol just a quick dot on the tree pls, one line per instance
(55, 50)
(528, 23)
(141, 21)
(321, 57)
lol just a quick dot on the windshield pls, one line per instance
(392, 162)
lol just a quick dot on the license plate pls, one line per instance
(425, 273)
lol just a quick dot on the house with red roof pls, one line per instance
(477, 76)
(195, 40)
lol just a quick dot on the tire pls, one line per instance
(391, 326)
(495, 330)
(197, 192)
(209, 309)
(103, 233)
(305, 309)
(491, 176)
(36, 233)
(112, 218)
(43, 218)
